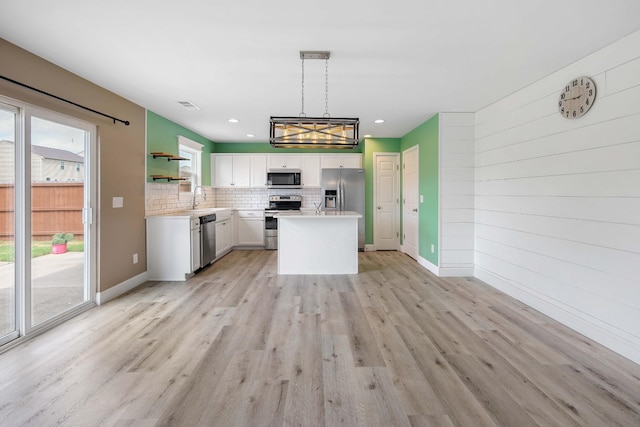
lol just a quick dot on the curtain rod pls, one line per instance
(115, 119)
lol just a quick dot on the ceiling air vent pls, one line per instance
(188, 105)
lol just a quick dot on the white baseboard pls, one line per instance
(616, 340)
(456, 271)
(121, 288)
(428, 265)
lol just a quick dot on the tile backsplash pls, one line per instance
(164, 198)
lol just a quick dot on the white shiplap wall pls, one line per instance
(557, 201)
(456, 153)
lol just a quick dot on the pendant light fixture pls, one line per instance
(314, 132)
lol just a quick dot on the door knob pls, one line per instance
(379, 207)
(415, 210)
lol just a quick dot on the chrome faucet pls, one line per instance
(204, 195)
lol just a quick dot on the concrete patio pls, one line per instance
(57, 284)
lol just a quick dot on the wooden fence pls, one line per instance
(56, 208)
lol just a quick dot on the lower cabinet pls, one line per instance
(250, 228)
(171, 252)
(223, 237)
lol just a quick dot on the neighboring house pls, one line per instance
(47, 164)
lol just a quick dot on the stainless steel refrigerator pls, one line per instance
(343, 190)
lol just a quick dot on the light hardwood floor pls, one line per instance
(392, 346)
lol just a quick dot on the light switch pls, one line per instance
(118, 202)
(421, 198)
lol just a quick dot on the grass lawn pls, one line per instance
(38, 248)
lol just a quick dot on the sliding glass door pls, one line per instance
(57, 229)
(46, 219)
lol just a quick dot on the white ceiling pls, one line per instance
(401, 61)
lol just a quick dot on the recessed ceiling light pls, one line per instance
(233, 120)
(250, 135)
(367, 136)
(189, 106)
(378, 121)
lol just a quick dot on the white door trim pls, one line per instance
(404, 197)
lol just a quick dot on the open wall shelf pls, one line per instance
(167, 177)
(168, 156)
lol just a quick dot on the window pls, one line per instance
(191, 169)
(61, 166)
(77, 167)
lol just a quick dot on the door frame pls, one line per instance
(415, 148)
(396, 225)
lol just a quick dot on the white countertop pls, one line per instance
(191, 213)
(322, 215)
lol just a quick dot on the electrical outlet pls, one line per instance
(135, 258)
(421, 198)
(432, 248)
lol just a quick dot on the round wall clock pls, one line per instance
(577, 97)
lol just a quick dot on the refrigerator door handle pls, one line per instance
(343, 197)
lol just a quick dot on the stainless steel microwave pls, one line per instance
(284, 178)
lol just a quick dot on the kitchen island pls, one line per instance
(311, 243)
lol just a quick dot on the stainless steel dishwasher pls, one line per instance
(207, 239)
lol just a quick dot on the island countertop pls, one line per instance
(313, 215)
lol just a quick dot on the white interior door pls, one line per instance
(410, 201)
(386, 220)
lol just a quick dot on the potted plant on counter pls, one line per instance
(59, 242)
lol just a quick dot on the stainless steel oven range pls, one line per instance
(277, 204)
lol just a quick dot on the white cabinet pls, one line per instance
(310, 171)
(250, 227)
(195, 244)
(250, 170)
(223, 237)
(341, 161)
(283, 161)
(259, 171)
(230, 170)
(224, 232)
(171, 252)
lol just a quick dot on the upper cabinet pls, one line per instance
(310, 171)
(250, 170)
(259, 171)
(230, 171)
(284, 161)
(330, 161)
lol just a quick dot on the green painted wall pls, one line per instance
(427, 138)
(162, 135)
(265, 147)
(374, 145)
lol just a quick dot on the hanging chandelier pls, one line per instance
(314, 132)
